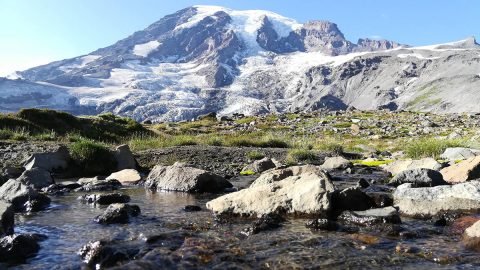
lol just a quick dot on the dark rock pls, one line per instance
(381, 199)
(192, 208)
(124, 157)
(22, 197)
(101, 254)
(18, 247)
(37, 178)
(180, 177)
(322, 224)
(371, 217)
(352, 198)
(6, 219)
(105, 199)
(363, 183)
(60, 189)
(118, 213)
(264, 223)
(211, 115)
(419, 178)
(95, 184)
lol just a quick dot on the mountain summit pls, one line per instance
(207, 58)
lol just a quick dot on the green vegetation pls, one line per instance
(431, 147)
(254, 155)
(94, 158)
(42, 124)
(301, 155)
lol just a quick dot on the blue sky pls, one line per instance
(34, 32)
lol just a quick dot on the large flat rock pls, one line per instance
(305, 194)
(428, 201)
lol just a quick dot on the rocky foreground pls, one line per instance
(338, 195)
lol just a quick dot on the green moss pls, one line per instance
(245, 120)
(375, 163)
(247, 172)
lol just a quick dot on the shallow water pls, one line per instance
(68, 225)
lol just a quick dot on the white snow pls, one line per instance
(146, 48)
(80, 62)
(246, 23)
(435, 47)
(416, 55)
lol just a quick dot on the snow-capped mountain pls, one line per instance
(206, 58)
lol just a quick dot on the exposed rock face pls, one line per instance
(399, 166)
(181, 178)
(49, 161)
(259, 166)
(22, 197)
(37, 178)
(118, 213)
(459, 153)
(429, 201)
(124, 158)
(463, 171)
(6, 219)
(419, 178)
(305, 194)
(126, 177)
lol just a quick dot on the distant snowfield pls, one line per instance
(146, 48)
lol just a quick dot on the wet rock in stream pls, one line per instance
(371, 217)
(118, 213)
(6, 219)
(101, 254)
(192, 208)
(105, 199)
(18, 247)
(264, 223)
(97, 184)
(322, 224)
(22, 197)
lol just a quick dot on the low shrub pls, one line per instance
(254, 155)
(301, 155)
(93, 158)
(430, 147)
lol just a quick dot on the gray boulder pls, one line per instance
(118, 213)
(23, 197)
(37, 178)
(336, 163)
(180, 177)
(274, 175)
(459, 153)
(399, 166)
(419, 178)
(124, 157)
(305, 194)
(259, 166)
(6, 219)
(52, 161)
(429, 201)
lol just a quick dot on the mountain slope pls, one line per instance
(207, 58)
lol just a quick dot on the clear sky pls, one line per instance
(34, 32)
